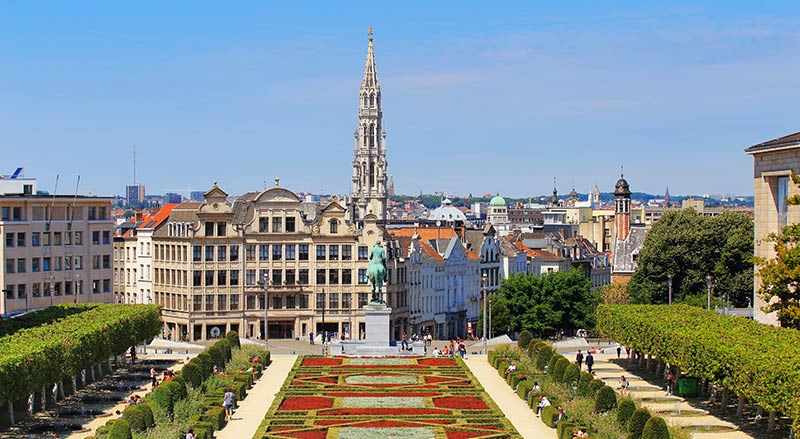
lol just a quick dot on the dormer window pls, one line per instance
(334, 225)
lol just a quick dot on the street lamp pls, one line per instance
(77, 287)
(324, 331)
(708, 284)
(50, 287)
(483, 288)
(669, 285)
(264, 283)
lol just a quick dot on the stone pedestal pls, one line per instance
(376, 342)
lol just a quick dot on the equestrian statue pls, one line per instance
(376, 273)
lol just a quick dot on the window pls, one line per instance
(277, 224)
(96, 262)
(35, 264)
(290, 302)
(783, 205)
(209, 228)
(333, 277)
(303, 252)
(276, 252)
(67, 238)
(56, 238)
(67, 263)
(197, 253)
(334, 226)
(234, 302)
(6, 216)
(302, 276)
(263, 275)
(46, 238)
(209, 278)
(362, 299)
(222, 253)
(78, 238)
(277, 277)
(347, 252)
(290, 255)
(333, 300)
(222, 277)
(250, 252)
(21, 294)
(106, 285)
(250, 277)
(20, 239)
(347, 276)
(57, 263)
(320, 252)
(320, 276)
(234, 279)
(277, 301)
(9, 240)
(79, 262)
(209, 302)
(9, 291)
(333, 252)
(10, 265)
(263, 222)
(263, 252)
(290, 224)
(36, 238)
(304, 301)
(67, 288)
(106, 261)
(197, 303)
(106, 237)
(209, 253)
(36, 290)
(320, 300)
(197, 278)
(46, 264)
(47, 289)
(96, 237)
(363, 253)
(346, 300)
(234, 251)
(362, 276)
(290, 277)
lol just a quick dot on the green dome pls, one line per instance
(497, 201)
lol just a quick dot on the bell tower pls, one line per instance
(370, 193)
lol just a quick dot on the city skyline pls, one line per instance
(243, 96)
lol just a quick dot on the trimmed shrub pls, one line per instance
(637, 422)
(533, 348)
(523, 388)
(502, 368)
(572, 374)
(139, 417)
(583, 383)
(193, 374)
(162, 398)
(549, 416)
(524, 339)
(594, 386)
(205, 363)
(561, 366)
(239, 389)
(544, 356)
(605, 400)
(625, 408)
(266, 358)
(118, 429)
(513, 378)
(216, 417)
(233, 338)
(217, 356)
(176, 389)
(551, 363)
(203, 430)
(490, 356)
(655, 428)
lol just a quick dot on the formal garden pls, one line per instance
(401, 398)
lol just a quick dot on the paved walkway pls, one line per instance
(515, 409)
(251, 411)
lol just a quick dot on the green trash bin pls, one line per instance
(687, 386)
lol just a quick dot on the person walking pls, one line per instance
(589, 362)
(190, 434)
(227, 402)
(623, 385)
(153, 377)
(670, 382)
(579, 359)
(311, 338)
(404, 341)
(619, 350)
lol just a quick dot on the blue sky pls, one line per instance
(477, 97)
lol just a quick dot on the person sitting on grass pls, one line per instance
(511, 368)
(543, 402)
(436, 352)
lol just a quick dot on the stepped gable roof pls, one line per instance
(781, 142)
(507, 248)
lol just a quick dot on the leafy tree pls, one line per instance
(560, 300)
(614, 294)
(691, 246)
(780, 277)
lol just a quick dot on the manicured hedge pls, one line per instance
(139, 417)
(655, 428)
(571, 374)
(605, 400)
(524, 339)
(625, 409)
(37, 357)
(637, 422)
(594, 386)
(549, 416)
(757, 361)
(233, 338)
(583, 383)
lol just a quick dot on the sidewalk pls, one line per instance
(251, 411)
(515, 409)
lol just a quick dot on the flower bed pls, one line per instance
(403, 398)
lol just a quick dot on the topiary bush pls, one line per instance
(205, 363)
(533, 348)
(655, 428)
(605, 400)
(625, 408)
(192, 374)
(118, 429)
(233, 338)
(549, 416)
(502, 368)
(637, 422)
(176, 389)
(551, 363)
(571, 374)
(558, 371)
(543, 357)
(490, 356)
(583, 383)
(524, 340)
(523, 388)
(594, 386)
(216, 417)
(162, 398)
(139, 417)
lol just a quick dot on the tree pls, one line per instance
(614, 294)
(780, 277)
(690, 247)
(560, 300)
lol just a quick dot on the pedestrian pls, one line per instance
(190, 434)
(628, 352)
(623, 385)
(311, 338)
(153, 377)
(670, 382)
(227, 402)
(462, 349)
(404, 341)
(579, 359)
(619, 350)
(119, 414)
(589, 361)
(452, 347)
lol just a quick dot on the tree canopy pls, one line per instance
(690, 246)
(542, 305)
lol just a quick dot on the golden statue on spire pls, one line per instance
(369, 29)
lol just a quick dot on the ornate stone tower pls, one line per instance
(369, 158)
(622, 208)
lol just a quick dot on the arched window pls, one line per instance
(371, 100)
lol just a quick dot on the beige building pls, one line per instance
(56, 249)
(774, 163)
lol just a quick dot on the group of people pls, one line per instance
(579, 359)
(455, 346)
(168, 376)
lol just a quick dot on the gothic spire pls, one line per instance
(370, 71)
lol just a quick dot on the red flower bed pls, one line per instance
(383, 412)
(458, 434)
(401, 394)
(460, 402)
(445, 379)
(321, 361)
(313, 434)
(306, 403)
(437, 362)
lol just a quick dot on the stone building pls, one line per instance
(774, 163)
(628, 238)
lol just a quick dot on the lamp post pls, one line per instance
(50, 287)
(669, 285)
(708, 285)
(324, 332)
(483, 288)
(264, 283)
(76, 286)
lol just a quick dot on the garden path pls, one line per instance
(251, 411)
(515, 409)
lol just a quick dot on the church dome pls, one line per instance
(622, 187)
(447, 212)
(498, 201)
